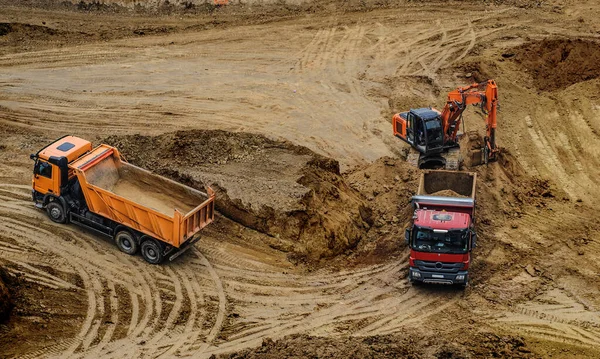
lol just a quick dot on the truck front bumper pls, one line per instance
(416, 275)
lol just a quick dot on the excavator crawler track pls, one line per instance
(449, 160)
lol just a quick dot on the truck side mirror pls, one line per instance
(474, 239)
(32, 156)
(407, 235)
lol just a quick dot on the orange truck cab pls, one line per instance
(97, 189)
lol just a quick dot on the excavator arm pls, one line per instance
(486, 95)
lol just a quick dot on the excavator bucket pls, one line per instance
(477, 157)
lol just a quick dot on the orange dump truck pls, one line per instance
(96, 188)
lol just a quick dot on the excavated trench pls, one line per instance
(295, 196)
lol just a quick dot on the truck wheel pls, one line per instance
(126, 242)
(151, 251)
(56, 212)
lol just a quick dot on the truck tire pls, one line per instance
(152, 251)
(56, 212)
(126, 242)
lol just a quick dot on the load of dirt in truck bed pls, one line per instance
(447, 193)
(144, 187)
(439, 182)
(290, 193)
(558, 63)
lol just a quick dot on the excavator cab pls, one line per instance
(421, 128)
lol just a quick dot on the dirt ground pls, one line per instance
(285, 108)
(6, 303)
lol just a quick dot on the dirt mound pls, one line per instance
(288, 192)
(5, 299)
(556, 63)
(388, 184)
(26, 29)
(447, 193)
(481, 345)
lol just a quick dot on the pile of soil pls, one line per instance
(481, 345)
(28, 30)
(556, 63)
(5, 299)
(292, 194)
(447, 193)
(388, 184)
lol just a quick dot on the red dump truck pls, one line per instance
(442, 233)
(97, 189)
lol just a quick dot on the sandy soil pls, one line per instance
(327, 79)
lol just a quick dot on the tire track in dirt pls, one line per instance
(550, 158)
(174, 312)
(63, 58)
(192, 328)
(347, 294)
(35, 275)
(18, 229)
(220, 317)
(114, 317)
(549, 322)
(554, 147)
(94, 336)
(313, 55)
(436, 47)
(412, 306)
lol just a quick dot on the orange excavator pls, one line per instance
(434, 134)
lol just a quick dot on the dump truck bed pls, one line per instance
(152, 204)
(446, 188)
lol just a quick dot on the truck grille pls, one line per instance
(441, 267)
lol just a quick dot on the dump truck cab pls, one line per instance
(51, 171)
(440, 244)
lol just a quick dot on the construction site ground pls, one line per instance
(285, 109)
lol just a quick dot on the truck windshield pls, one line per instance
(452, 241)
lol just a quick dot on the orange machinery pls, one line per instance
(96, 188)
(432, 133)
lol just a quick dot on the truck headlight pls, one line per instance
(460, 277)
(416, 274)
